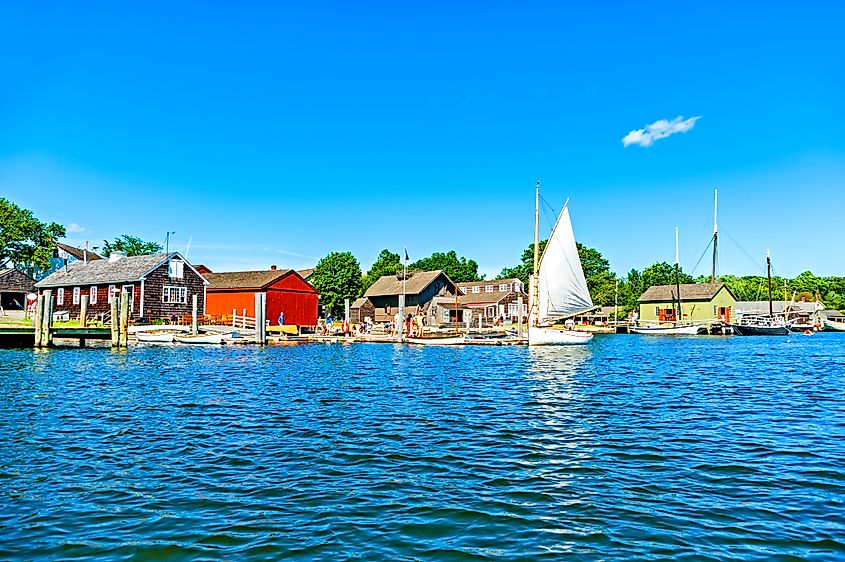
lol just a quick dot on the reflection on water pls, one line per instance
(629, 448)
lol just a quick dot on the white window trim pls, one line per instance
(488, 288)
(92, 294)
(504, 287)
(167, 295)
(60, 296)
(77, 294)
(476, 289)
(176, 269)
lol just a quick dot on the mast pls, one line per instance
(715, 231)
(769, 276)
(678, 277)
(535, 294)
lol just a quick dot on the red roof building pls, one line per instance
(286, 292)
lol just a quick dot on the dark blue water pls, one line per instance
(632, 448)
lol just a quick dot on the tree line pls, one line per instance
(28, 242)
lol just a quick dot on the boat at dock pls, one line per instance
(762, 324)
(833, 325)
(155, 337)
(205, 339)
(672, 329)
(450, 340)
(559, 288)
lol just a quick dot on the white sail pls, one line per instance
(562, 287)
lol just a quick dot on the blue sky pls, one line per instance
(274, 133)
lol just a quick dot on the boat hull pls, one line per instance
(746, 330)
(834, 326)
(550, 336)
(145, 337)
(691, 330)
(210, 339)
(455, 340)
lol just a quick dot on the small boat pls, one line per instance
(450, 340)
(210, 339)
(669, 330)
(762, 324)
(155, 337)
(833, 325)
(559, 288)
(795, 327)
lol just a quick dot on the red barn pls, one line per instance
(286, 292)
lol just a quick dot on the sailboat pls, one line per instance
(761, 324)
(558, 287)
(678, 327)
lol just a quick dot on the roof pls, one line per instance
(305, 273)
(245, 279)
(131, 268)
(14, 281)
(777, 307)
(510, 280)
(359, 302)
(78, 253)
(414, 284)
(689, 292)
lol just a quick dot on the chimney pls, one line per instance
(272, 268)
(85, 254)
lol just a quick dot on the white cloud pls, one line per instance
(73, 227)
(660, 129)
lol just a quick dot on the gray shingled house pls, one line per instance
(160, 285)
(381, 301)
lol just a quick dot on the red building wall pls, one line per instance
(290, 294)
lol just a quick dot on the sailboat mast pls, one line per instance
(769, 276)
(678, 277)
(535, 297)
(715, 231)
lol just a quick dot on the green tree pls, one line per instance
(337, 277)
(662, 273)
(600, 280)
(459, 269)
(387, 263)
(131, 245)
(526, 265)
(24, 240)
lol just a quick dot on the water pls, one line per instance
(632, 448)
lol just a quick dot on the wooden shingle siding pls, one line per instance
(153, 288)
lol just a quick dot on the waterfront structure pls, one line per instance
(489, 299)
(801, 312)
(14, 286)
(159, 285)
(381, 301)
(306, 273)
(61, 255)
(702, 302)
(285, 289)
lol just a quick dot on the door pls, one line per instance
(129, 290)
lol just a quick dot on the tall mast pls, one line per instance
(769, 276)
(678, 277)
(715, 231)
(535, 297)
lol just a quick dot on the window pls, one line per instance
(488, 288)
(176, 269)
(504, 287)
(657, 311)
(174, 295)
(76, 292)
(513, 309)
(92, 297)
(476, 289)
(445, 315)
(464, 290)
(114, 293)
(60, 296)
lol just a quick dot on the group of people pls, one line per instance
(413, 325)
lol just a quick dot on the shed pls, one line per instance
(286, 292)
(700, 301)
(14, 286)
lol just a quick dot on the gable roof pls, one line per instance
(415, 284)
(245, 279)
(78, 253)
(305, 273)
(689, 292)
(131, 268)
(15, 281)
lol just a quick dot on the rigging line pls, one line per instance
(704, 253)
(756, 262)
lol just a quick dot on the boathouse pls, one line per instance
(701, 302)
(159, 286)
(489, 299)
(14, 286)
(381, 301)
(286, 292)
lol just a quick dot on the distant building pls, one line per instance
(14, 286)
(159, 285)
(63, 254)
(381, 301)
(287, 292)
(700, 302)
(489, 299)
(306, 273)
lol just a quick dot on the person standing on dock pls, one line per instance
(281, 318)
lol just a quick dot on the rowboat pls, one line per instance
(452, 340)
(208, 339)
(671, 330)
(155, 337)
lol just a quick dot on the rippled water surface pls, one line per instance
(631, 448)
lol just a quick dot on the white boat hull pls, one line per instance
(834, 326)
(690, 330)
(551, 336)
(145, 337)
(210, 339)
(456, 340)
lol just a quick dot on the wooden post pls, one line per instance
(47, 319)
(519, 316)
(244, 320)
(39, 312)
(194, 315)
(124, 320)
(401, 327)
(115, 321)
(83, 312)
(234, 316)
(346, 310)
(260, 318)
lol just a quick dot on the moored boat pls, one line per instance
(210, 339)
(833, 325)
(669, 330)
(155, 337)
(762, 324)
(450, 340)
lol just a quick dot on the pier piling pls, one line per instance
(124, 321)
(115, 321)
(39, 311)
